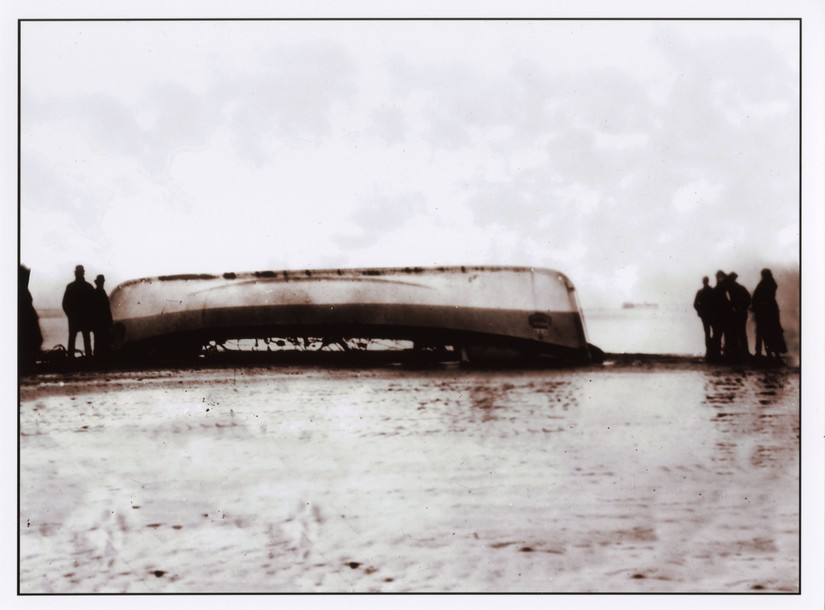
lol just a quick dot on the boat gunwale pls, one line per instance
(331, 273)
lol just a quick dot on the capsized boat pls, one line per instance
(473, 310)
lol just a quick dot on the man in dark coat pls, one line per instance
(78, 304)
(703, 304)
(722, 313)
(102, 318)
(740, 300)
(766, 311)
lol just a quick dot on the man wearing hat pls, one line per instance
(102, 318)
(78, 303)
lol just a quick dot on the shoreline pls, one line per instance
(396, 361)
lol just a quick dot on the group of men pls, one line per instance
(724, 309)
(89, 313)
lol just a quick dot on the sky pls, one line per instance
(634, 156)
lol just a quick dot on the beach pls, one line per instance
(624, 477)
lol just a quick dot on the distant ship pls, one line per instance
(640, 305)
(474, 311)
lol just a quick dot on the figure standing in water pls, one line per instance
(740, 300)
(29, 337)
(766, 311)
(78, 304)
(703, 304)
(102, 318)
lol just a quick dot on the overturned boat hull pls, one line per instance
(532, 312)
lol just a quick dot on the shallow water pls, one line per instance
(312, 480)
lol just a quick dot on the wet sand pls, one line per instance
(623, 478)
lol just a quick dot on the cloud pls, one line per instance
(380, 217)
(699, 194)
(290, 93)
(390, 124)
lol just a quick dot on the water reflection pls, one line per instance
(511, 406)
(723, 388)
(486, 400)
(771, 386)
(756, 423)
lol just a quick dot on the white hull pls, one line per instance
(535, 310)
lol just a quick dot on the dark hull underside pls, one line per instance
(557, 336)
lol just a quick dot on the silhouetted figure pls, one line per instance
(102, 318)
(740, 300)
(722, 314)
(78, 303)
(766, 311)
(29, 337)
(703, 304)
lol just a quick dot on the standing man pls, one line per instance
(740, 300)
(102, 321)
(722, 312)
(78, 304)
(703, 304)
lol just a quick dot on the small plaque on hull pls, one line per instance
(540, 320)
